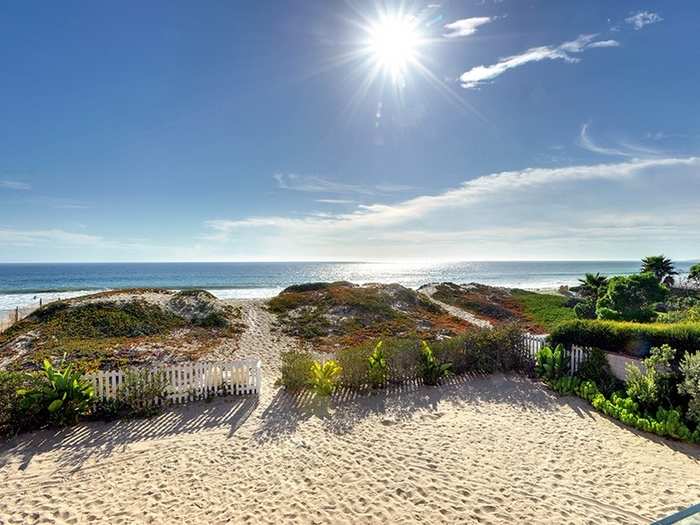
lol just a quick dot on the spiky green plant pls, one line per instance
(378, 370)
(432, 370)
(551, 364)
(324, 377)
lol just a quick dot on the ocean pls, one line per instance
(23, 284)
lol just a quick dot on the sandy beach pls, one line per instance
(498, 449)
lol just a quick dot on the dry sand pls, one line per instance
(498, 449)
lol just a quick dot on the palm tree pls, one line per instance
(592, 284)
(662, 268)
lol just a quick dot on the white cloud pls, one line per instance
(336, 201)
(605, 43)
(643, 18)
(14, 185)
(314, 184)
(546, 212)
(479, 75)
(465, 27)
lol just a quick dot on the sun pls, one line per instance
(393, 44)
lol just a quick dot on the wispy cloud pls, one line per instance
(52, 235)
(528, 206)
(14, 185)
(480, 75)
(336, 201)
(643, 18)
(314, 184)
(465, 26)
(623, 149)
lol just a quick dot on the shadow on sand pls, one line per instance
(99, 439)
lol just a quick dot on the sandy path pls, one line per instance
(429, 290)
(480, 450)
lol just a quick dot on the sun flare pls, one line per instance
(394, 42)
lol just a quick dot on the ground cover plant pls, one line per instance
(536, 312)
(120, 329)
(342, 314)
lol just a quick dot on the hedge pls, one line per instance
(634, 339)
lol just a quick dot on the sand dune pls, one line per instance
(497, 449)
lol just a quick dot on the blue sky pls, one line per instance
(236, 131)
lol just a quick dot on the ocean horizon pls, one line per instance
(22, 284)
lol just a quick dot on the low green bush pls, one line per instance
(631, 298)
(354, 361)
(403, 358)
(654, 385)
(634, 339)
(59, 396)
(585, 310)
(690, 384)
(14, 417)
(595, 368)
(296, 369)
(142, 393)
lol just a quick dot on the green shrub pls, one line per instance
(142, 392)
(403, 357)
(634, 339)
(595, 367)
(630, 298)
(566, 385)
(60, 397)
(690, 384)
(432, 370)
(354, 361)
(324, 377)
(378, 370)
(215, 319)
(14, 417)
(585, 310)
(550, 364)
(296, 369)
(652, 386)
(547, 310)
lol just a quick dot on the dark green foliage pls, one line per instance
(312, 287)
(596, 368)
(60, 397)
(14, 417)
(142, 393)
(634, 339)
(215, 319)
(630, 298)
(551, 364)
(403, 357)
(694, 274)
(195, 292)
(296, 369)
(661, 267)
(592, 285)
(432, 371)
(585, 310)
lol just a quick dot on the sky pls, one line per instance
(317, 130)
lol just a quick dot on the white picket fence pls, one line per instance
(534, 343)
(191, 381)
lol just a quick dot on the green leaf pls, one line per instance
(55, 405)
